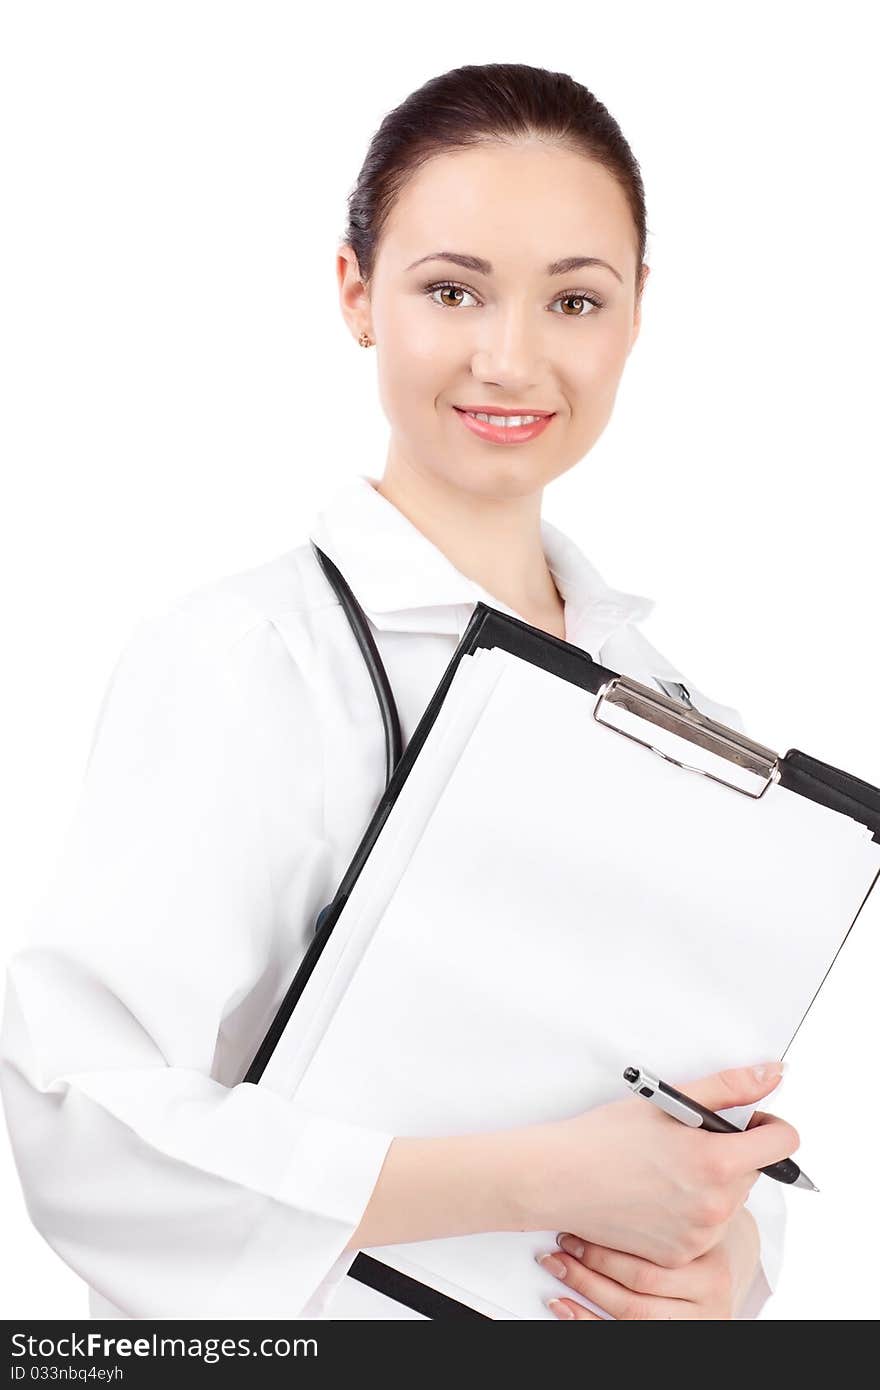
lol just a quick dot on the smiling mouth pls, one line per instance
(504, 430)
(511, 421)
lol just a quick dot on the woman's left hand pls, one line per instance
(626, 1286)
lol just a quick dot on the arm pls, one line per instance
(458, 1185)
(149, 975)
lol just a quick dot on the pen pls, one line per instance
(690, 1112)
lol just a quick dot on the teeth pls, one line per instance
(508, 421)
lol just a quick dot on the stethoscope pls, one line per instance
(359, 625)
(357, 620)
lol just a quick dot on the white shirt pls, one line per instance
(237, 758)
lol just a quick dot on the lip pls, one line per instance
(498, 434)
(504, 409)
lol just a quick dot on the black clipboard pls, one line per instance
(489, 627)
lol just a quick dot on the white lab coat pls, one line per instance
(237, 757)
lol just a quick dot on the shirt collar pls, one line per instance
(405, 582)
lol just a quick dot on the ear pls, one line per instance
(354, 299)
(637, 316)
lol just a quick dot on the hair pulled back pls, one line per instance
(475, 105)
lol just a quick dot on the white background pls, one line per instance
(181, 394)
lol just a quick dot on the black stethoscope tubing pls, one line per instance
(360, 627)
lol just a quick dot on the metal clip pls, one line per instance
(687, 722)
(676, 691)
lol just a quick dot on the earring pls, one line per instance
(365, 340)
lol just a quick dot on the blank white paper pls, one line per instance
(553, 903)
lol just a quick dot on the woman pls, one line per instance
(239, 755)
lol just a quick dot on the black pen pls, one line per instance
(690, 1112)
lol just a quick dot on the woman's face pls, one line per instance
(513, 335)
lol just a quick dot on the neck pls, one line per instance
(495, 541)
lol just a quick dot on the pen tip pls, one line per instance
(803, 1181)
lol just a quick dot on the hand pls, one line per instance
(632, 1179)
(712, 1286)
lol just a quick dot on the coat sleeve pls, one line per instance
(149, 974)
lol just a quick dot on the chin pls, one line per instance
(513, 475)
(501, 481)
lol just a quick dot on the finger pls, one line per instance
(751, 1148)
(724, 1090)
(760, 1117)
(743, 1185)
(615, 1298)
(689, 1281)
(569, 1308)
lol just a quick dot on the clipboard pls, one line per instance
(664, 724)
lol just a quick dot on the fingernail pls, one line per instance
(767, 1071)
(551, 1263)
(561, 1309)
(571, 1246)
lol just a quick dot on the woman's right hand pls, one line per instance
(627, 1176)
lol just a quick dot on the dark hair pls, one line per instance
(473, 105)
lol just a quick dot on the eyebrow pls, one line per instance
(481, 267)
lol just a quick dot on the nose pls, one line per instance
(510, 352)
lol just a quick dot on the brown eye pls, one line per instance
(584, 304)
(450, 290)
(446, 287)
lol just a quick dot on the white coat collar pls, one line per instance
(405, 583)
